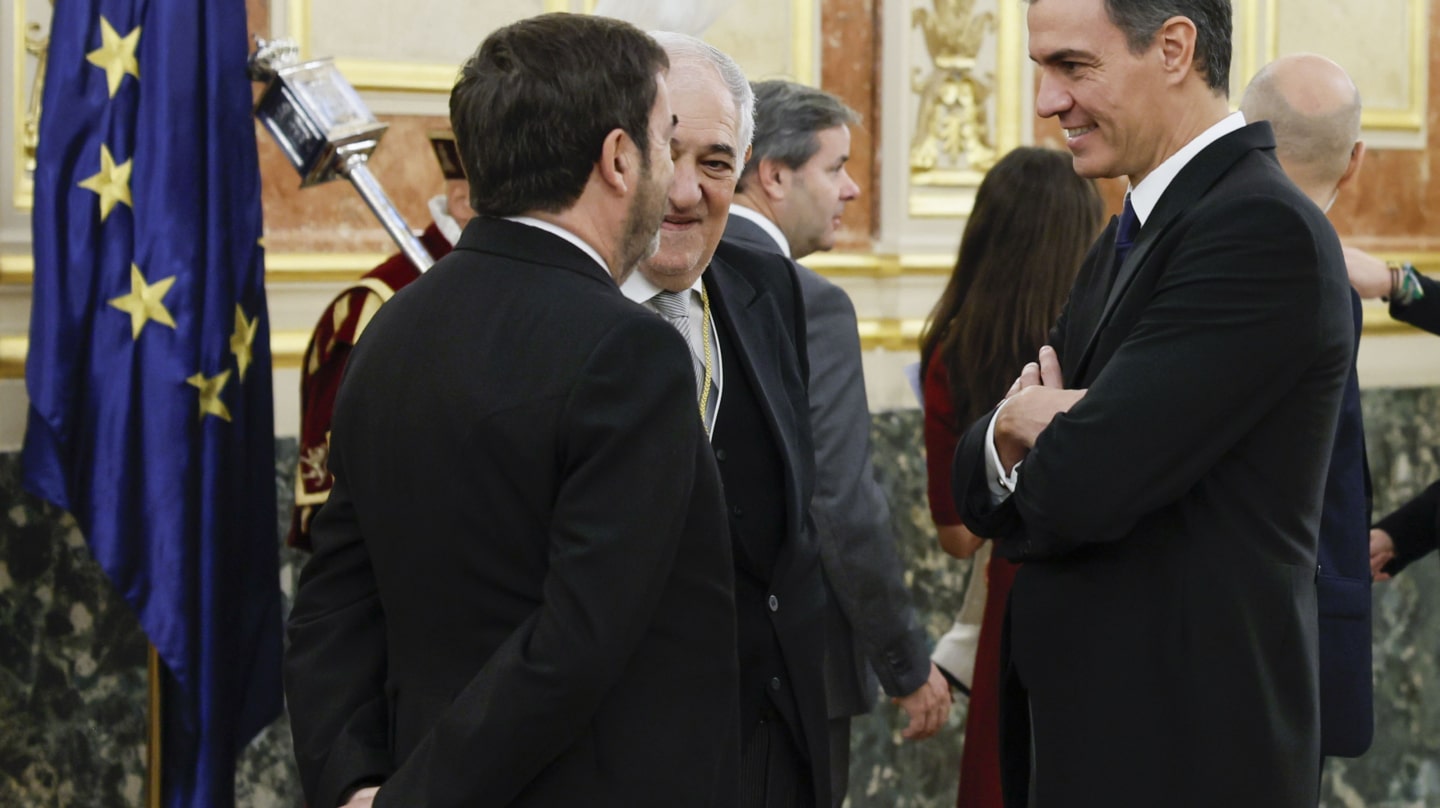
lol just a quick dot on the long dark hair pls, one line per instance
(1032, 222)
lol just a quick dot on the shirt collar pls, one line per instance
(638, 288)
(557, 230)
(1145, 196)
(770, 228)
(440, 214)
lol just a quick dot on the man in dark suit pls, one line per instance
(1161, 640)
(789, 201)
(1314, 109)
(743, 315)
(521, 592)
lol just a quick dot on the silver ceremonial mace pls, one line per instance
(325, 130)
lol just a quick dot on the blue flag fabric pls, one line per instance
(148, 370)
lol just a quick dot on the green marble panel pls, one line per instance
(72, 660)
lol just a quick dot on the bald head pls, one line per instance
(1314, 108)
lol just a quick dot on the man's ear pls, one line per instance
(1357, 156)
(1176, 38)
(774, 178)
(619, 166)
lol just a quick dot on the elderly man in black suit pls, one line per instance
(1161, 642)
(789, 201)
(743, 315)
(522, 588)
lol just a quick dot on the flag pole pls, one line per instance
(152, 747)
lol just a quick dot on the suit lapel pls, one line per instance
(740, 308)
(1193, 182)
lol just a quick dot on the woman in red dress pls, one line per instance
(1032, 222)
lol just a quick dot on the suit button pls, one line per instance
(738, 511)
(775, 684)
(720, 455)
(774, 604)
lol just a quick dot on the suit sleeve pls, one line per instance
(630, 438)
(1232, 324)
(1414, 527)
(335, 664)
(1423, 313)
(857, 542)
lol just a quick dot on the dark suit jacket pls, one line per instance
(780, 595)
(1423, 313)
(1342, 582)
(1164, 622)
(521, 592)
(870, 615)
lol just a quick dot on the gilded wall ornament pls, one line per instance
(952, 130)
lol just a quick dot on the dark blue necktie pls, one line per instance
(1125, 232)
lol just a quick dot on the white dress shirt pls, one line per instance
(557, 230)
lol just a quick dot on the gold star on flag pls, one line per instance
(243, 339)
(145, 302)
(116, 55)
(210, 387)
(112, 183)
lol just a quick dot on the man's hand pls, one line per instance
(928, 707)
(1033, 401)
(1382, 550)
(1368, 274)
(362, 798)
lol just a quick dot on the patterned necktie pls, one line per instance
(1125, 232)
(675, 307)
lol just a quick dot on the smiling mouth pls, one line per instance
(678, 224)
(1074, 133)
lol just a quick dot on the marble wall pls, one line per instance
(73, 683)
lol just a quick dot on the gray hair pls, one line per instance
(683, 47)
(1139, 20)
(788, 118)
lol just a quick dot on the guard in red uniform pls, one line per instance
(345, 319)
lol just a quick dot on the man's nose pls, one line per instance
(1051, 98)
(685, 186)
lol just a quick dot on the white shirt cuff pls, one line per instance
(1001, 484)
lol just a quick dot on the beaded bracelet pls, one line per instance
(1404, 285)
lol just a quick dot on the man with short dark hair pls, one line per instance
(1175, 435)
(789, 201)
(522, 591)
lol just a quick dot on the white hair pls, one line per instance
(681, 47)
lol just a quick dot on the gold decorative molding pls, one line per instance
(1412, 117)
(373, 74)
(30, 42)
(956, 139)
(952, 124)
(287, 268)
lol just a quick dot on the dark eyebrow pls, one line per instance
(723, 148)
(1064, 55)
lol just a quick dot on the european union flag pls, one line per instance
(149, 363)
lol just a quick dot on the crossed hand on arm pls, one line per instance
(1030, 405)
(362, 798)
